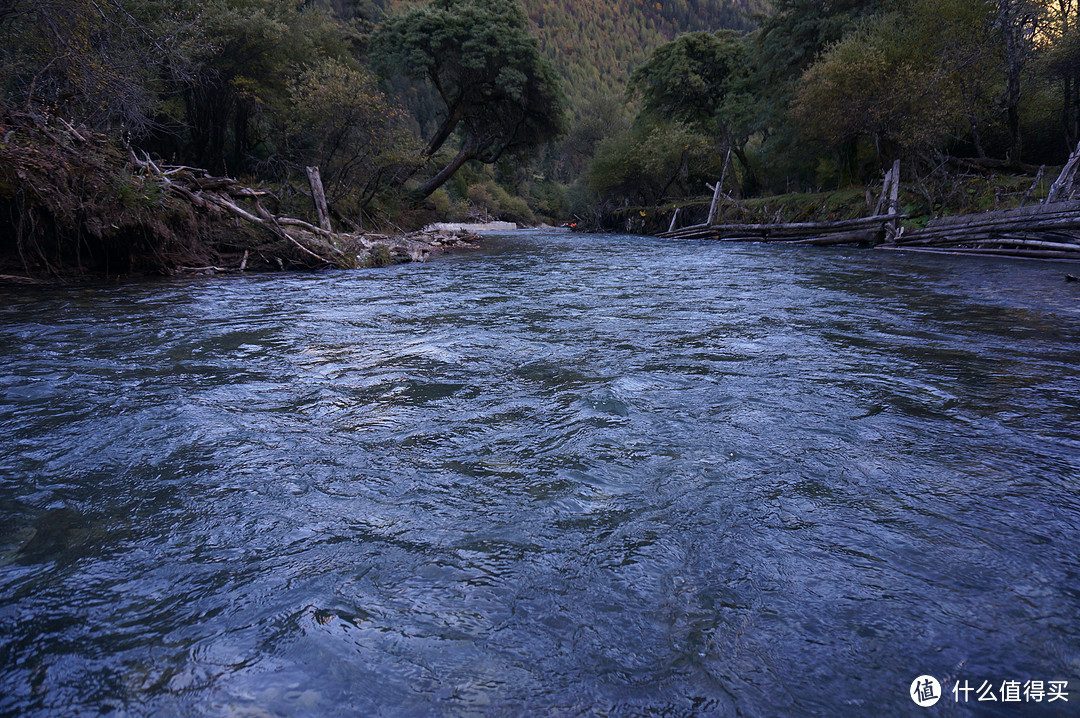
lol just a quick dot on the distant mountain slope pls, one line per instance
(596, 44)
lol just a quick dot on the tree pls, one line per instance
(243, 55)
(496, 90)
(903, 81)
(1016, 24)
(790, 40)
(695, 80)
(652, 161)
(92, 62)
(1061, 61)
(339, 120)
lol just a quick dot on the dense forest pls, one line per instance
(543, 111)
(595, 46)
(974, 96)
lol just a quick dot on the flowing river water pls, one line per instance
(563, 475)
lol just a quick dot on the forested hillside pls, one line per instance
(973, 97)
(596, 45)
(503, 109)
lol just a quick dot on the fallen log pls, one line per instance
(1023, 253)
(999, 227)
(1053, 210)
(856, 237)
(1001, 238)
(783, 229)
(211, 183)
(1034, 243)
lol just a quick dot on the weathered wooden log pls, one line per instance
(892, 226)
(248, 192)
(212, 183)
(1062, 186)
(1000, 237)
(1027, 253)
(854, 237)
(169, 170)
(715, 203)
(1034, 184)
(1033, 224)
(686, 232)
(1047, 210)
(885, 185)
(1052, 222)
(290, 222)
(789, 228)
(674, 218)
(238, 211)
(1032, 243)
(74, 133)
(271, 224)
(319, 197)
(718, 190)
(837, 225)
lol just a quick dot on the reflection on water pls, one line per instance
(566, 475)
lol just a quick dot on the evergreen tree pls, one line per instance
(496, 89)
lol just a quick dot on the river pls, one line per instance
(563, 475)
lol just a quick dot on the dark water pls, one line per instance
(567, 475)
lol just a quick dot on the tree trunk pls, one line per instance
(446, 129)
(318, 196)
(1012, 25)
(467, 152)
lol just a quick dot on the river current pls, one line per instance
(562, 475)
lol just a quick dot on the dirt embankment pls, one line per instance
(76, 203)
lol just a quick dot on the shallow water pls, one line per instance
(564, 475)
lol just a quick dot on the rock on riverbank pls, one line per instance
(375, 250)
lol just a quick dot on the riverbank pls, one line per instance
(919, 202)
(1036, 221)
(82, 205)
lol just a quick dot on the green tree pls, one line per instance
(790, 40)
(1016, 23)
(652, 161)
(1060, 62)
(341, 121)
(696, 79)
(93, 62)
(243, 55)
(903, 81)
(497, 91)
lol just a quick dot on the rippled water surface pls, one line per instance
(563, 475)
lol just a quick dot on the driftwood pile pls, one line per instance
(881, 227)
(865, 230)
(76, 202)
(1050, 230)
(322, 245)
(1045, 231)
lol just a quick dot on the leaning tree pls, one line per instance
(498, 94)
